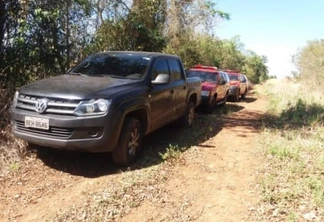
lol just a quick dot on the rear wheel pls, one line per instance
(130, 143)
(187, 119)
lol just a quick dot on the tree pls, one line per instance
(185, 20)
(135, 27)
(231, 54)
(310, 63)
(40, 37)
(255, 67)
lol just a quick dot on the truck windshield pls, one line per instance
(234, 77)
(113, 65)
(204, 76)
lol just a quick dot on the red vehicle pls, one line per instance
(238, 85)
(215, 85)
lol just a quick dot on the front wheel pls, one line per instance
(187, 119)
(237, 96)
(243, 96)
(225, 100)
(130, 143)
(210, 108)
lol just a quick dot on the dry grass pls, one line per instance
(292, 142)
(119, 197)
(12, 150)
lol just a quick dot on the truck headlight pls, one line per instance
(92, 107)
(205, 93)
(103, 105)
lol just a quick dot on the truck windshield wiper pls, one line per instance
(77, 74)
(116, 76)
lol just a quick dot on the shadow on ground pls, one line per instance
(89, 165)
(296, 116)
(95, 165)
(247, 122)
(249, 99)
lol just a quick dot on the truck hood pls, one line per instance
(77, 87)
(208, 86)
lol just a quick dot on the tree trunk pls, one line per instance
(68, 5)
(2, 31)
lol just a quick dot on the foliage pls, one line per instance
(205, 49)
(231, 54)
(39, 39)
(254, 67)
(172, 153)
(137, 28)
(310, 63)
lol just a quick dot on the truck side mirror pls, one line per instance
(161, 79)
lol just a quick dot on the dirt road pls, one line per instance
(214, 180)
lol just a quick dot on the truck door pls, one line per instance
(161, 96)
(242, 83)
(179, 85)
(222, 87)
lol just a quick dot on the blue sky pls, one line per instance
(274, 28)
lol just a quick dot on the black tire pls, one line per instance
(32, 146)
(243, 96)
(225, 100)
(210, 108)
(237, 96)
(187, 119)
(130, 143)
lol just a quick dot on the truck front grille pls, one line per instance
(54, 106)
(53, 132)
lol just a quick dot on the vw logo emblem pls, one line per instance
(41, 105)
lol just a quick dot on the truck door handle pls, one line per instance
(184, 87)
(172, 91)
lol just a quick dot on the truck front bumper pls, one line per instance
(91, 133)
(233, 90)
(205, 100)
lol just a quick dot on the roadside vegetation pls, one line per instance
(292, 141)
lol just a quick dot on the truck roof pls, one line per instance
(141, 53)
(211, 69)
(230, 71)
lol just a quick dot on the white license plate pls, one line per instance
(35, 122)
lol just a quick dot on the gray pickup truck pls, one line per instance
(107, 103)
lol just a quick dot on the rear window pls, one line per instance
(204, 76)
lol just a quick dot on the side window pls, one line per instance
(227, 77)
(242, 79)
(176, 69)
(221, 76)
(218, 76)
(160, 66)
